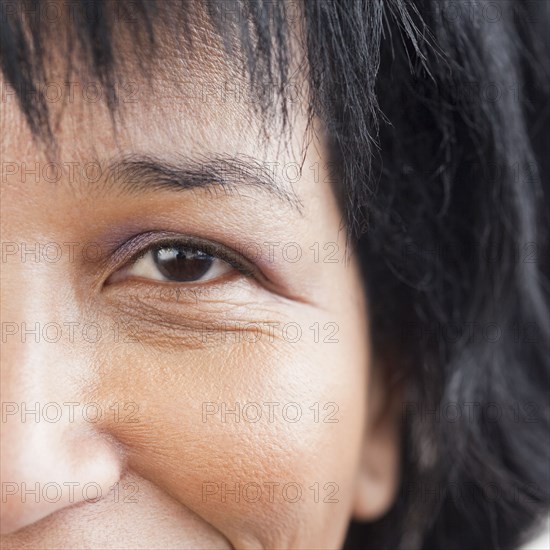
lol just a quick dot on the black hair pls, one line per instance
(437, 112)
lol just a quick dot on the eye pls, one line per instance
(178, 263)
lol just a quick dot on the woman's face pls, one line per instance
(215, 391)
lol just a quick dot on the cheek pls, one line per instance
(259, 438)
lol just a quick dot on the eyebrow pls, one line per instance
(229, 174)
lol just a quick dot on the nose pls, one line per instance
(52, 456)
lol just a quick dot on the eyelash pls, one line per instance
(216, 250)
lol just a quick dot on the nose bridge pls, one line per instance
(51, 452)
(36, 355)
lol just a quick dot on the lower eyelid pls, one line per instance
(211, 300)
(139, 295)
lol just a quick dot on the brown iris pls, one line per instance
(181, 264)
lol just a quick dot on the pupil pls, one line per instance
(180, 264)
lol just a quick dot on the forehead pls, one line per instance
(174, 83)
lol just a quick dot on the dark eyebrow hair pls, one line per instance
(229, 174)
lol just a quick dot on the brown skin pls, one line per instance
(159, 361)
